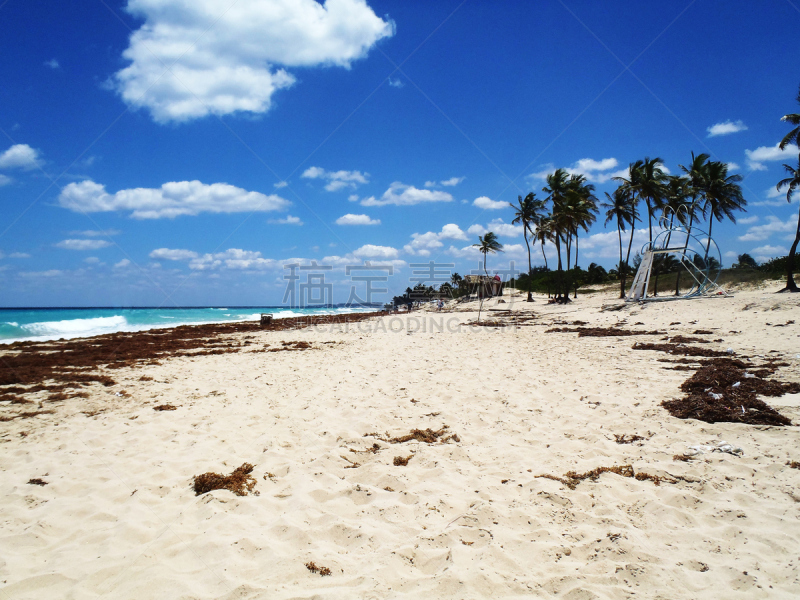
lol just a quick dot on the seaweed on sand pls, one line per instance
(240, 482)
(323, 571)
(601, 331)
(573, 479)
(165, 407)
(679, 349)
(402, 461)
(427, 436)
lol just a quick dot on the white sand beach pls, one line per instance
(119, 518)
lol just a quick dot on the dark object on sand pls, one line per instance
(266, 319)
(402, 461)
(601, 331)
(240, 482)
(37, 481)
(572, 479)
(165, 407)
(323, 571)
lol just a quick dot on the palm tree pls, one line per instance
(487, 243)
(557, 190)
(583, 207)
(544, 233)
(622, 208)
(456, 280)
(646, 181)
(722, 194)
(791, 183)
(794, 134)
(697, 173)
(527, 213)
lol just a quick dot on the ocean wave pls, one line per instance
(12, 323)
(76, 327)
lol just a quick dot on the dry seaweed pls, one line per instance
(601, 331)
(684, 339)
(627, 439)
(165, 407)
(37, 481)
(240, 482)
(793, 464)
(681, 349)
(683, 457)
(402, 461)
(722, 390)
(323, 571)
(573, 479)
(427, 436)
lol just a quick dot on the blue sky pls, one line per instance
(156, 154)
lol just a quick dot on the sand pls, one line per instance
(465, 518)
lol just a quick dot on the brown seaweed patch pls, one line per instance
(627, 439)
(427, 436)
(601, 331)
(402, 461)
(37, 481)
(793, 464)
(722, 390)
(165, 407)
(573, 479)
(240, 482)
(685, 339)
(683, 457)
(323, 571)
(680, 349)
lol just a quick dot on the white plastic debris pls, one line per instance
(715, 447)
(729, 350)
(715, 396)
(749, 376)
(737, 384)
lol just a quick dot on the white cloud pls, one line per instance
(732, 166)
(763, 253)
(497, 226)
(122, 264)
(422, 244)
(453, 181)
(170, 200)
(397, 83)
(400, 194)
(233, 258)
(756, 158)
(487, 203)
(222, 57)
(748, 220)
(20, 156)
(19, 255)
(82, 244)
(352, 198)
(351, 219)
(589, 165)
(337, 180)
(280, 184)
(430, 184)
(289, 220)
(52, 63)
(5, 180)
(96, 232)
(169, 254)
(773, 225)
(371, 251)
(595, 171)
(726, 128)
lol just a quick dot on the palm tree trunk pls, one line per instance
(685, 246)
(619, 266)
(545, 257)
(628, 255)
(576, 261)
(530, 268)
(791, 286)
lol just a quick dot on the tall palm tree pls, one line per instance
(697, 173)
(557, 189)
(791, 183)
(456, 280)
(646, 181)
(487, 243)
(544, 233)
(794, 134)
(583, 207)
(722, 194)
(620, 206)
(528, 212)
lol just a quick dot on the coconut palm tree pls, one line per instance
(528, 212)
(792, 183)
(456, 280)
(544, 233)
(794, 135)
(488, 244)
(620, 206)
(582, 207)
(557, 190)
(646, 181)
(722, 194)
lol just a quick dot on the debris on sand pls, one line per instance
(427, 436)
(240, 482)
(627, 439)
(165, 407)
(323, 571)
(573, 479)
(680, 349)
(402, 461)
(37, 481)
(724, 390)
(601, 331)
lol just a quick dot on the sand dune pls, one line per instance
(464, 519)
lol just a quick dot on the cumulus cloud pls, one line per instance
(732, 166)
(763, 253)
(400, 194)
(226, 58)
(759, 233)
(595, 171)
(82, 244)
(453, 181)
(351, 219)
(20, 156)
(397, 83)
(726, 128)
(52, 63)
(337, 180)
(170, 254)
(487, 203)
(497, 226)
(748, 220)
(289, 220)
(756, 158)
(422, 244)
(96, 232)
(280, 184)
(371, 251)
(172, 199)
(5, 180)
(122, 264)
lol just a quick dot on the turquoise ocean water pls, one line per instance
(19, 324)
